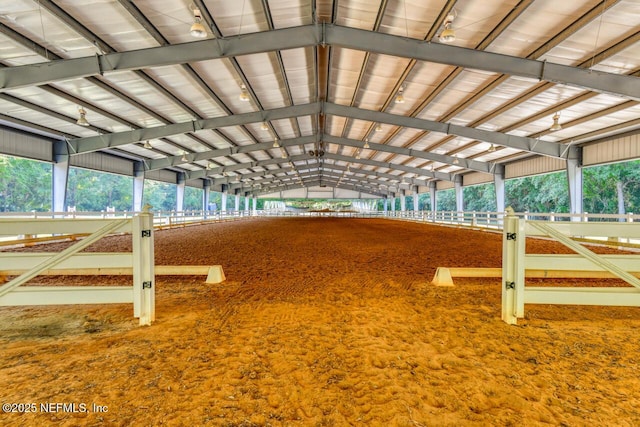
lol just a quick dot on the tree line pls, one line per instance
(25, 185)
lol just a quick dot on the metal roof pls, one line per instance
(322, 78)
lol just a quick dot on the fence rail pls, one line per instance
(140, 261)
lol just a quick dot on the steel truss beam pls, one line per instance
(170, 161)
(99, 142)
(190, 175)
(531, 145)
(441, 158)
(537, 146)
(313, 35)
(318, 182)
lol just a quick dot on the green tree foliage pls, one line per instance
(446, 200)
(424, 201)
(161, 196)
(93, 191)
(25, 185)
(603, 186)
(480, 198)
(192, 199)
(539, 193)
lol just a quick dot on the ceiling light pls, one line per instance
(378, 128)
(244, 94)
(184, 157)
(358, 154)
(366, 143)
(400, 97)
(147, 145)
(82, 120)
(448, 35)
(276, 144)
(492, 149)
(197, 29)
(556, 123)
(209, 165)
(283, 153)
(264, 126)
(455, 160)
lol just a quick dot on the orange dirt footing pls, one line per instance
(321, 322)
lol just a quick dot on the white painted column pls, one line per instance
(393, 204)
(498, 182)
(246, 203)
(206, 188)
(138, 186)
(223, 201)
(574, 178)
(416, 202)
(255, 204)
(459, 194)
(403, 203)
(237, 203)
(59, 182)
(180, 192)
(432, 195)
(386, 205)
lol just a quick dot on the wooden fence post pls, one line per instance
(512, 268)
(143, 267)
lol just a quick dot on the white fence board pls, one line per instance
(15, 226)
(50, 295)
(21, 260)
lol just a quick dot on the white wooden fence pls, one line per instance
(515, 262)
(140, 261)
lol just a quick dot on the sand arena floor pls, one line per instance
(322, 322)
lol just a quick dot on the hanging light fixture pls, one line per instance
(244, 94)
(264, 126)
(82, 120)
(283, 153)
(448, 35)
(276, 144)
(358, 154)
(400, 96)
(184, 157)
(455, 159)
(366, 143)
(147, 145)
(378, 128)
(492, 149)
(556, 123)
(197, 29)
(209, 165)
